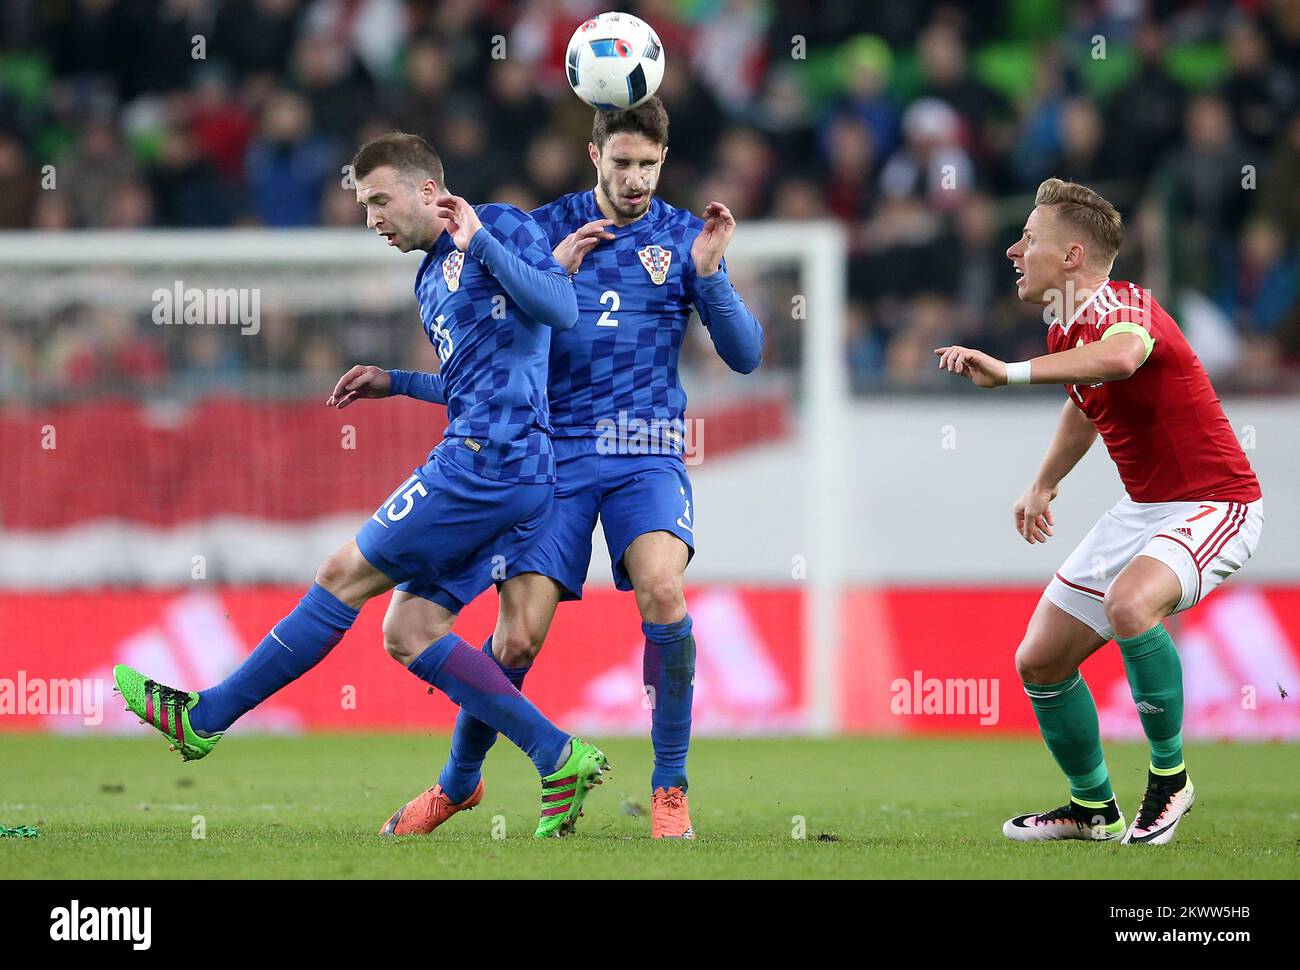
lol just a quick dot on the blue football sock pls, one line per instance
(471, 740)
(668, 672)
(476, 683)
(296, 644)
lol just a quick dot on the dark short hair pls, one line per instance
(649, 118)
(405, 153)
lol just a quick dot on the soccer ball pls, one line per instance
(614, 61)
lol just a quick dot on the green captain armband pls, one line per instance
(1148, 341)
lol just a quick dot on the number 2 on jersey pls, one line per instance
(605, 319)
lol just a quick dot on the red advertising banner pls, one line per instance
(279, 461)
(916, 660)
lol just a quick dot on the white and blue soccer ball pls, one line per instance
(614, 61)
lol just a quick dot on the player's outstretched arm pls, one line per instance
(735, 331)
(523, 265)
(1109, 359)
(419, 385)
(1032, 512)
(368, 381)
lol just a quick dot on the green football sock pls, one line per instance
(1067, 716)
(1155, 676)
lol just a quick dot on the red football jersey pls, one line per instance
(1164, 427)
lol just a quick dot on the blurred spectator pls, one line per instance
(695, 120)
(338, 92)
(339, 209)
(472, 163)
(517, 106)
(1038, 144)
(783, 115)
(1207, 194)
(552, 166)
(101, 163)
(108, 351)
(320, 363)
(1265, 286)
(1259, 93)
(744, 164)
(162, 45)
(19, 184)
(208, 359)
(287, 164)
(53, 211)
(187, 188)
(866, 65)
(849, 180)
(865, 347)
(255, 36)
(931, 165)
(946, 77)
(372, 31)
(980, 264)
(513, 193)
(799, 199)
(1145, 115)
(1087, 155)
(222, 127)
(729, 53)
(1279, 188)
(417, 106)
(129, 206)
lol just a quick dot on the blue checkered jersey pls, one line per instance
(493, 352)
(617, 367)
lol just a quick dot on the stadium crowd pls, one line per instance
(922, 127)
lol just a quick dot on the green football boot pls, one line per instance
(564, 790)
(164, 708)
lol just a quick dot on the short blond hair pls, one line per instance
(1082, 209)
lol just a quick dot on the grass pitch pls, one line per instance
(310, 807)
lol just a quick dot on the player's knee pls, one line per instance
(517, 646)
(400, 647)
(404, 641)
(660, 597)
(335, 571)
(1128, 612)
(1036, 665)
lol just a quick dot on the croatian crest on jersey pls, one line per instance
(451, 267)
(655, 259)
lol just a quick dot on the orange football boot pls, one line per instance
(670, 816)
(424, 813)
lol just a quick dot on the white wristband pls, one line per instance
(1018, 372)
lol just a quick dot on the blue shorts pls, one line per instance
(445, 520)
(630, 494)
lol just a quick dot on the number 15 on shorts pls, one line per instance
(398, 505)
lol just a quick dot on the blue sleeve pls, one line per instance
(423, 387)
(514, 249)
(737, 334)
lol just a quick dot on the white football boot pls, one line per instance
(1163, 807)
(1070, 821)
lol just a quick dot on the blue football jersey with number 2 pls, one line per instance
(635, 295)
